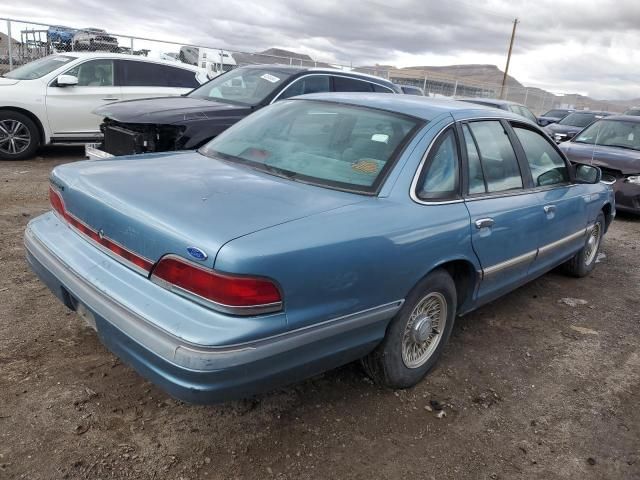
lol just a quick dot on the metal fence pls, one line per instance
(23, 41)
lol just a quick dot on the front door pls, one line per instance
(70, 108)
(564, 205)
(505, 216)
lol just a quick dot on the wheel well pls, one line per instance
(606, 209)
(31, 116)
(464, 276)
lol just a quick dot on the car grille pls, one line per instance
(132, 138)
(120, 141)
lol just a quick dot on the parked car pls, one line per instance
(514, 107)
(613, 144)
(92, 39)
(316, 231)
(61, 37)
(188, 122)
(411, 90)
(51, 99)
(635, 111)
(553, 116)
(573, 123)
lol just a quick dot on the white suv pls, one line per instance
(51, 100)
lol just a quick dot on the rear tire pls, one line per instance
(417, 334)
(583, 263)
(19, 136)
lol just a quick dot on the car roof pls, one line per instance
(623, 118)
(125, 56)
(492, 101)
(293, 69)
(413, 105)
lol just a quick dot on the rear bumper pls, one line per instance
(141, 323)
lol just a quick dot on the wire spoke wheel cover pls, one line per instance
(424, 330)
(15, 137)
(593, 244)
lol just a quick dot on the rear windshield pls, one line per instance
(337, 146)
(555, 113)
(39, 68)
(576, 119)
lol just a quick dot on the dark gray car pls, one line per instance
(613, 144)
(573, 123)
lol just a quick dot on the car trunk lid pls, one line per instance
(183, 203)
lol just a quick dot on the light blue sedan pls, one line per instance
(317, 231)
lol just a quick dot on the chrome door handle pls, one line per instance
(111, 98)
(484, 223)
(549, 209)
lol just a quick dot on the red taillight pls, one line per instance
(58, 205)
(234, 294)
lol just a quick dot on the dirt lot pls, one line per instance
(532, 387)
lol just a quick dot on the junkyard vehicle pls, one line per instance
(92, 39)
(317, 231)
(411, 90)
(573, 123)
(553, 116)
(635, 111)
(188, 122)
(507, 105)
(51, 99)
(61, 37)
(613, 144)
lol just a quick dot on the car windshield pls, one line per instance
(245, 86)
(612, 133)
(578, 119)
(555, 113)
(327, 144)
(39, 68)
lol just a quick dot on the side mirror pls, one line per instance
(67, 81)
(587, 174)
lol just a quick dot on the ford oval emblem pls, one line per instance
(197, 253)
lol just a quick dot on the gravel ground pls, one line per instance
(532, 386)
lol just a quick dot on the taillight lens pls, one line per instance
(229, 293)
(58, 205)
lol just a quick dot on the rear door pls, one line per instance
(564, 205)
(505, 215)
(69, 109)
(142, 79)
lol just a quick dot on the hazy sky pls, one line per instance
(584, 46)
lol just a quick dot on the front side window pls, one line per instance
(612, 133)
(344, 84)
(307, 84)
(546, 164)
(440, 177)
(497, 157)
(94, 73)
(244, 86)
(322, 143)
(39, 68)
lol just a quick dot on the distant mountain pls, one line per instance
(476, 73)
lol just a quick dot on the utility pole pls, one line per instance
(506, 69)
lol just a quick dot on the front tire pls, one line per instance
(19, 136)
(583, 263)
(417, 335)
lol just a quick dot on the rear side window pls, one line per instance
(499, 164)
(308, 84)
(546, 164)
(439, 180)
(381, 89)
(148, 74)
(344, 84)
